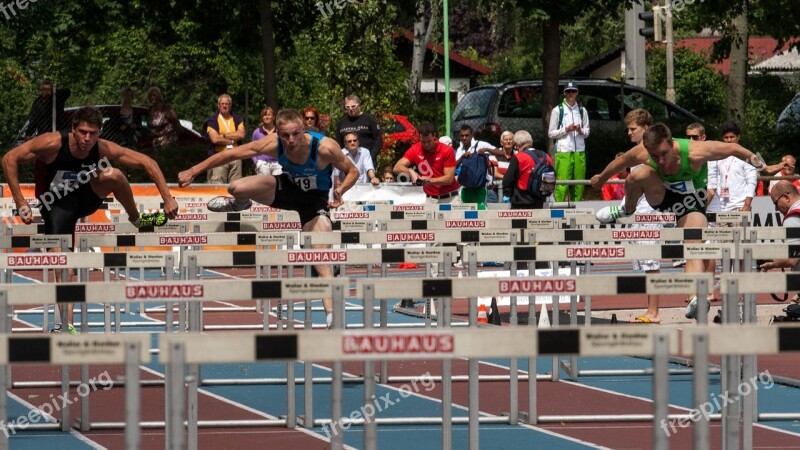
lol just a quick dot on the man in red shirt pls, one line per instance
(435, 167)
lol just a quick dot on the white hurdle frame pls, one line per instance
(603, 285)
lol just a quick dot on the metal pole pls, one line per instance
(337, 388)
(383, 374)
(446, 39)
(533, 414)
(731, 411)
(132, 397)
(474, 391)
(660, 390)
(4, 378)
(191, 392)
(55, 108)
(65, 396)
(670, 51)
(447, 378)
(370, 426)
(701, 427)
(176, 399)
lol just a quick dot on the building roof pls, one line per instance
(592, 63)
(761, 48)
(784, 62)
(454, 57)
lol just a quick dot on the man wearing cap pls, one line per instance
(569, 127)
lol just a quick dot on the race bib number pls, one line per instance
(64, 179)
(306, 183)
(684, 187)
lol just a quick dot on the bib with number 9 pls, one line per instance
(306, 183)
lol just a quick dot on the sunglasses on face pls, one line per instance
(694, 137)
(311, 118)
(351, 141)
(349, 107)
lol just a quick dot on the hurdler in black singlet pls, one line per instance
(64, 190)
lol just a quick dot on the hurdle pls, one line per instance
(11, 262)
(130, 350)
(117, 292)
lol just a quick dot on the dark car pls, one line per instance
(517, 105)
(135, 134)
(789, 120)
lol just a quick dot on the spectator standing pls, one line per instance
(311, 119)
(731, 181)
(40, 118)
(695, 131)
(363, 124)
(161, 119)
(360, 158)
(787, 171)
(435, 167)
(787, 201)
(124, 125)
(569, 127)
(515, 180)
(472, 148)
(266, 164)
(508, 149)
(225, 131)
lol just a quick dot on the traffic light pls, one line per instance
(652, 24)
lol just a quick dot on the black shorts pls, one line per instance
(681, 203)
(63, 214)
(309, 204)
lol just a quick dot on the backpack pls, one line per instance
(473, 171)
(541, 176)
(561, 114)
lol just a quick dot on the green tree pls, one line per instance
(698, 87)
(351, 51)
(736, 21)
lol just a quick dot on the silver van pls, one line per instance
(517, 105)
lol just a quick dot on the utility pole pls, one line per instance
(670, 50)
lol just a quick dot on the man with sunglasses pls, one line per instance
(364, 125)
(360, 158)
(696, 131)
(787, 201)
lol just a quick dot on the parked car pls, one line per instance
(517, 105)
(136, 135)
(789, 120)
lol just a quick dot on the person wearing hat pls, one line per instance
(569, 127)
